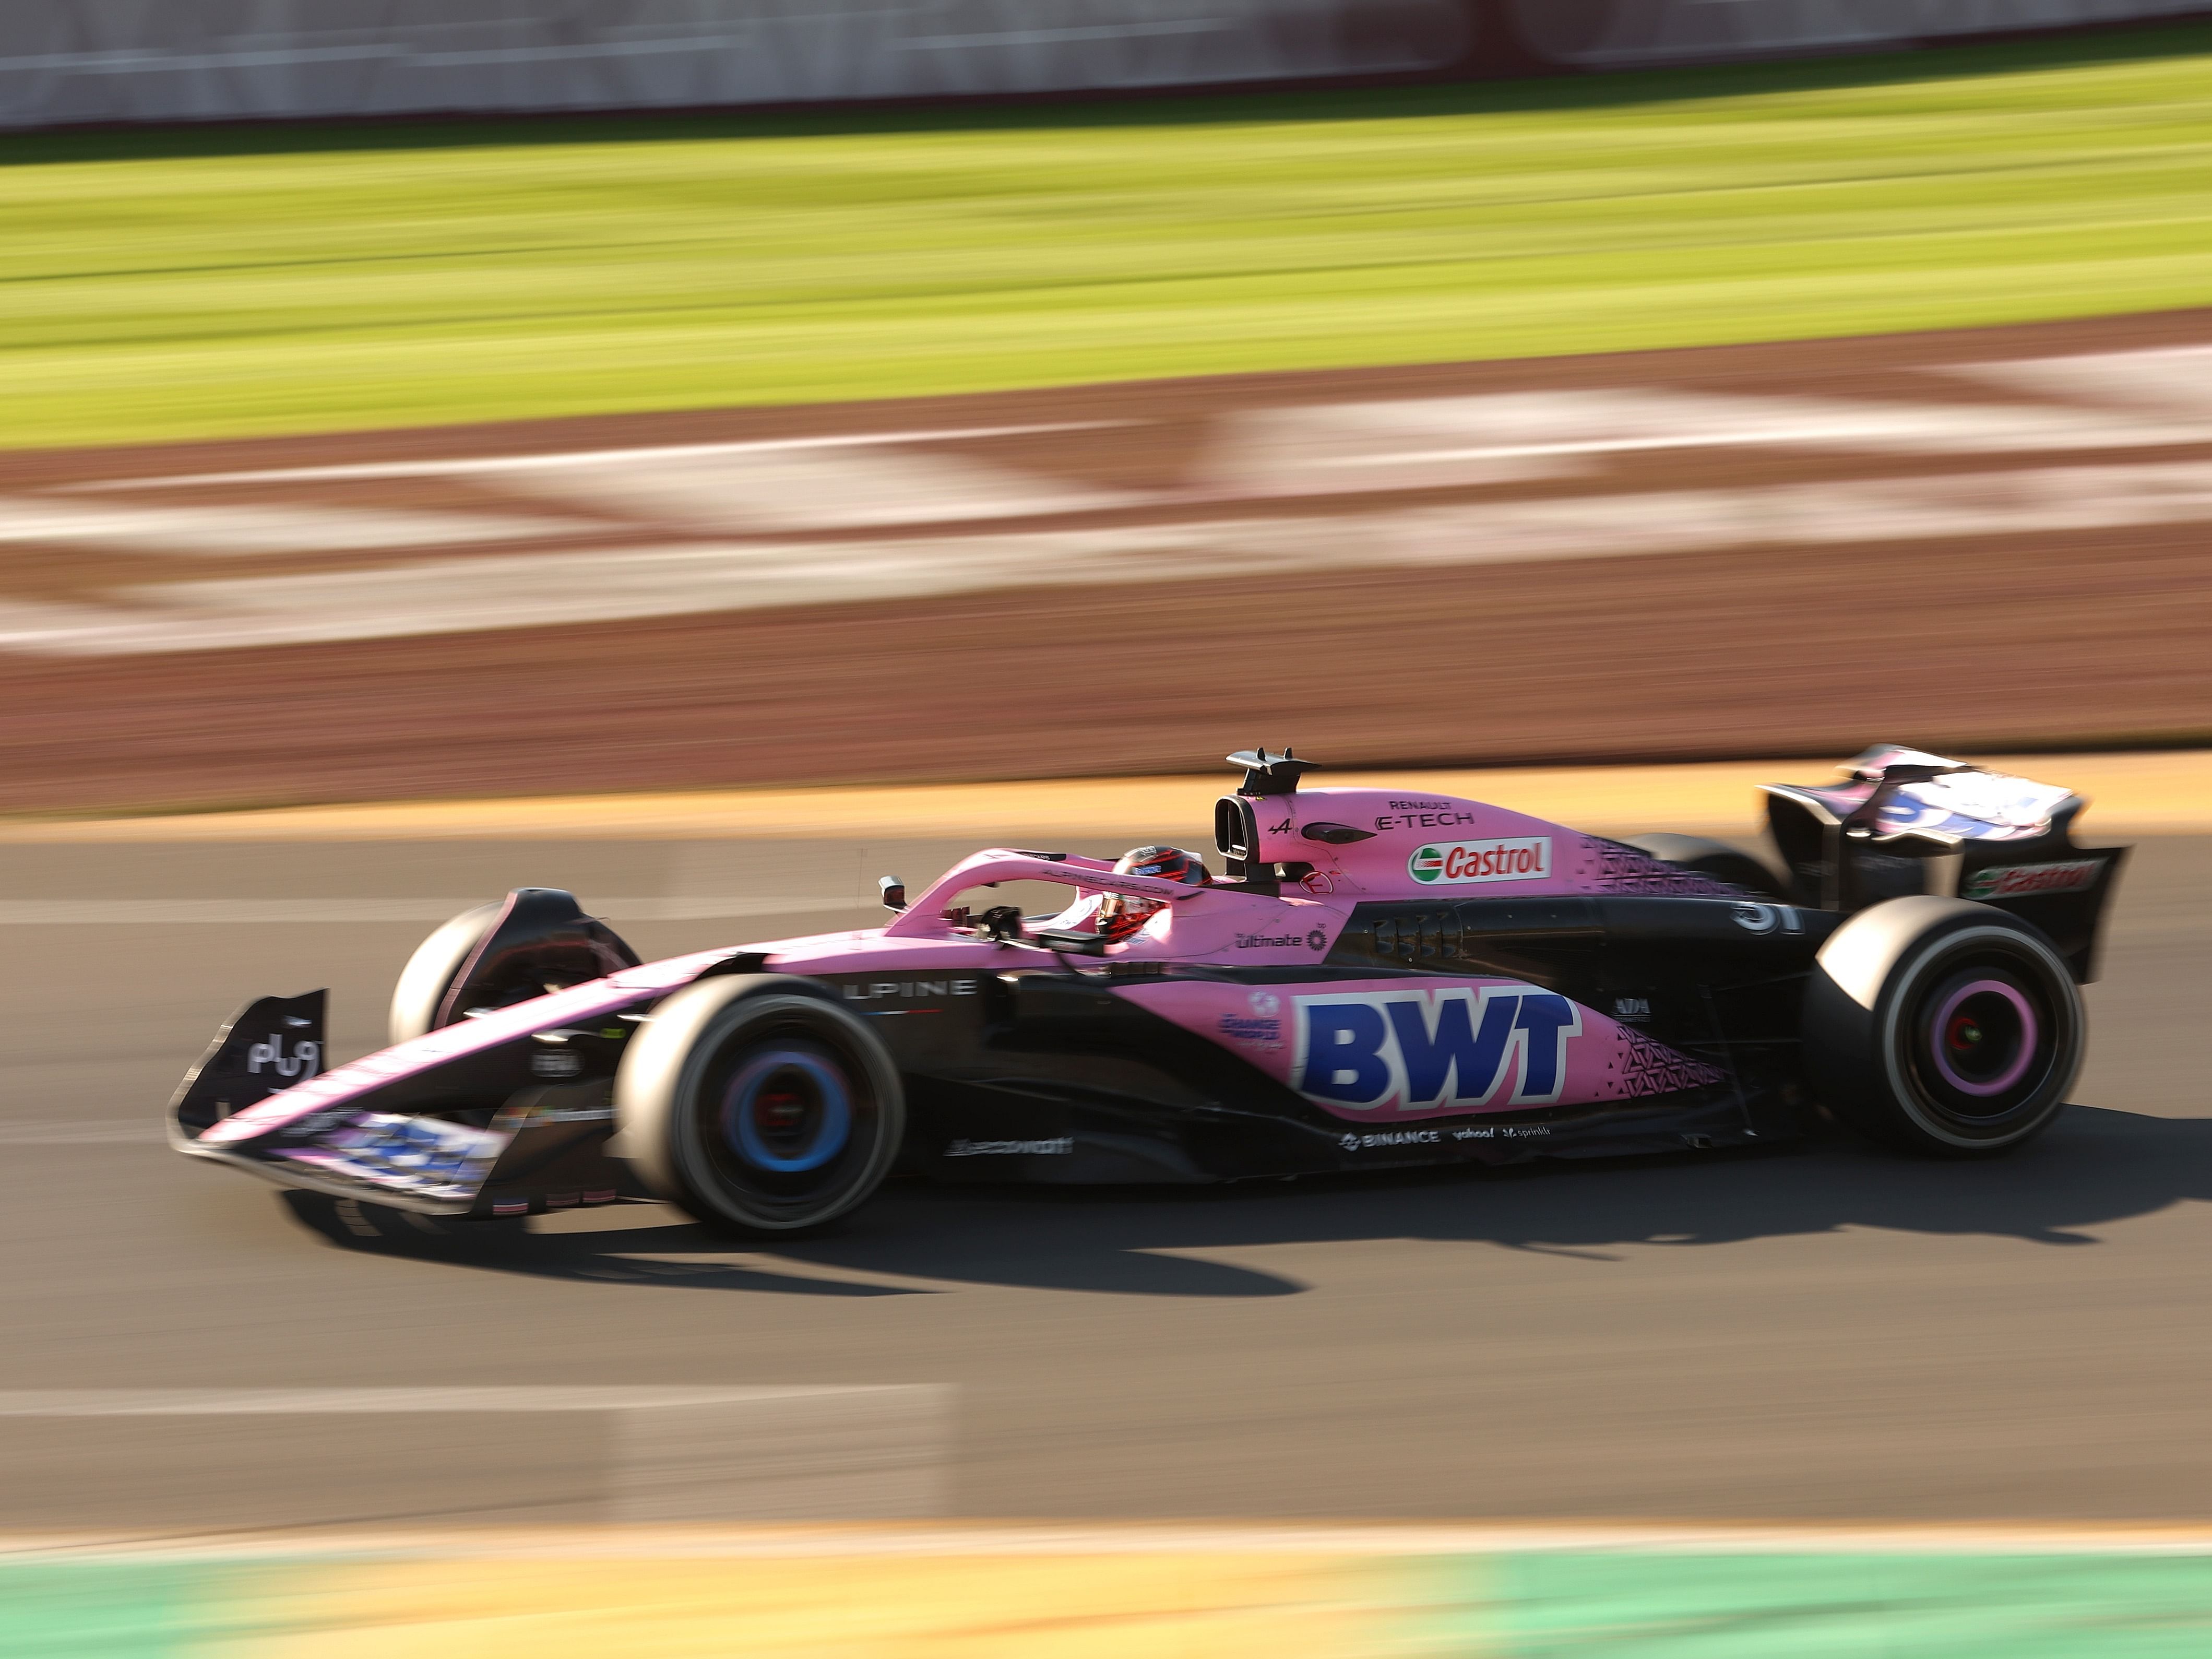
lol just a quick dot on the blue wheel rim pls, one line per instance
(787, 1109)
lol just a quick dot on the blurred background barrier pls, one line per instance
(68, 62)
(1633, 34)
(201, 1459)
(65, 61)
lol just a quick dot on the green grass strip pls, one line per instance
(1623, 1605)
(125, 1609)
(198, 283)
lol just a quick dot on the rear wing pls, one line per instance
(1907, 822)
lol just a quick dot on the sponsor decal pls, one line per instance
(1503, 1131)
(1390, 1138)
(1423, 1049)
(305, 1060)
(1059, 1146)
(524, 1117)
(1443, 815)
(600, 1195)
(1316, 881)
(1417, 814)
(510, 1207)
(431, 1156)
(1754, 918)
(1460, 863)
(1314, 938)
(555, 1062)
(1262, 1028)
(563, 1201)
(1632, 1008)
(2017, 880)
(315, 1123)
(908, 990)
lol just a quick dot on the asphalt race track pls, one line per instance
(1826, 1333)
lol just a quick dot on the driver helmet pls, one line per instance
(1120, 916)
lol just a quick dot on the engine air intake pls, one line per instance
(1235, 828)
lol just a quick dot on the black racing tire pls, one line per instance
(757, 1105)
(1942, 1027)
(429, 973)
(1715, 859)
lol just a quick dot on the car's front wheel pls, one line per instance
(757, 1105)
(1943, 1027)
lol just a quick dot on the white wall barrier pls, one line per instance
(68, 62)
(73, 61)
(1626, 33)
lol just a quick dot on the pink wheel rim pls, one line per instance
(1951, 1013)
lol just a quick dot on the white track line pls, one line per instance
(92, 1131)
(847, 489)
(128, 912)
(249, 531)
(296, 1403)
(429, 469)
(833, 1541)
(719, 1455)
(469, 595)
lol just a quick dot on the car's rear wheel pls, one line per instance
(758, 1106)
(1942, 1027)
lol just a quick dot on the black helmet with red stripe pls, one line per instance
(1121, 916)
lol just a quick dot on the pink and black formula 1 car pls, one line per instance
(1382, 977)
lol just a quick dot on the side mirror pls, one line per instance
(894, 892)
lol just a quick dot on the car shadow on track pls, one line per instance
(2093, 1168)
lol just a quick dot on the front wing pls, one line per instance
(478, 1118)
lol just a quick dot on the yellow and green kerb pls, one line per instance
(687, 1602)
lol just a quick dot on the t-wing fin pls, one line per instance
(1269, 775)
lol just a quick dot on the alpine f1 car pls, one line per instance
(1380, 977)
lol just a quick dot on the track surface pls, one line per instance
(1830, 1333)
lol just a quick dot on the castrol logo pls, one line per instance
(1459, 863)
(2018, 880)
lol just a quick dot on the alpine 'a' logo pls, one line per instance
(1429, 1050)
(1460, 863)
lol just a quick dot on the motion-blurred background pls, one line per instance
(970, 415)
(407, 402)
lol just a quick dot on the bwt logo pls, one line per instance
(1424, 1050)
